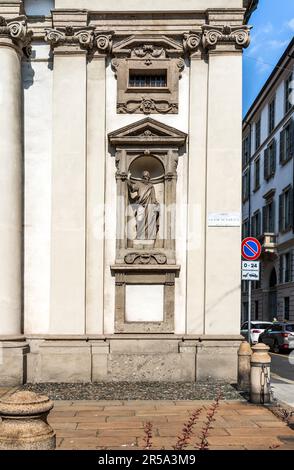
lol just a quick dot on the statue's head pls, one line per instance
(146, 175)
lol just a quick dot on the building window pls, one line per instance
(246, 150)
(257, 134)
(285, 268)
(256, 305)
(270, 160)
(257, 174)
(288, 92)
(268, 217)
(245, 228)
(245, 185)
(286, 308)
(271, 115)
(256, 224)
(152, 79)
(287, 142)
(286, 209)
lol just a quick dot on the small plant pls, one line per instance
(203, 444)
(187, 431)
(184, 438)
(148, 435)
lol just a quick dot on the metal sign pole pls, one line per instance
(249, 312)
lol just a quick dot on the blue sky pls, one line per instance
(273, 28)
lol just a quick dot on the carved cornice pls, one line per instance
(86, 38)
(147, 106)
(148, 47)
(70, 36)
(16, 29)
(238, 36)
(145, 258)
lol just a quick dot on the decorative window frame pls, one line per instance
(147, 53)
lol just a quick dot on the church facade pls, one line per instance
(120, 189)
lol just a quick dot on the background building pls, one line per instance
(268, 180)
(91, 99)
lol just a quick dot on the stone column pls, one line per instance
(222, 302)
(96, 151)
(68, 232)
(196, 185)
(13, 38)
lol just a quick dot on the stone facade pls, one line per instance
(94, 99)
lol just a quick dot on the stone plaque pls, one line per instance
(144, 303)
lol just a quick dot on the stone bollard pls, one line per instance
(260, 374)
(24, 422)
(244, 356)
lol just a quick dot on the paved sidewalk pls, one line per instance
(119, 425)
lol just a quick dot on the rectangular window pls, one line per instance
(285, 268)
(246, 150)
(245, 228)
(256, 174)
(268, 216)
(257, 134)
(256, 224)
(271, 115)
(256, 309)
(287, 142)
(288, 92)
(245, 185)
(286, 209)
(270, 160)
(152, 79)
(286, 308)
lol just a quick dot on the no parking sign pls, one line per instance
(250, 248)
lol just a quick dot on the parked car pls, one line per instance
(279, 336)
(257, 327)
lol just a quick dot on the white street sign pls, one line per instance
(250, 270)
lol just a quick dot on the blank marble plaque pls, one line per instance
(144, 303)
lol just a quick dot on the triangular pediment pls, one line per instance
(131, 42)
(147, 131)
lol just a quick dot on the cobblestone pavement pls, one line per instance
(119, 425)
(202, 390)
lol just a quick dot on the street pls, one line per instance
(282, 377)
(281, 367)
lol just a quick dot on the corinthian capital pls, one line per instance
(191, 41)
(239, 36)
(70, 36)
(16, 29)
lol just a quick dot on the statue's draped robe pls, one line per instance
(146, 210)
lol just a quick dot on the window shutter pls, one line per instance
(252, 234)
(264, 224)
(281, 215)
(281, 269)
(282, 146)
(265, 166)
(291, 207)
(258, 228)
(273, 157)
(273, 224)
(291, 136)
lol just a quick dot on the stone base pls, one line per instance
(124, 358)
(13, 362)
